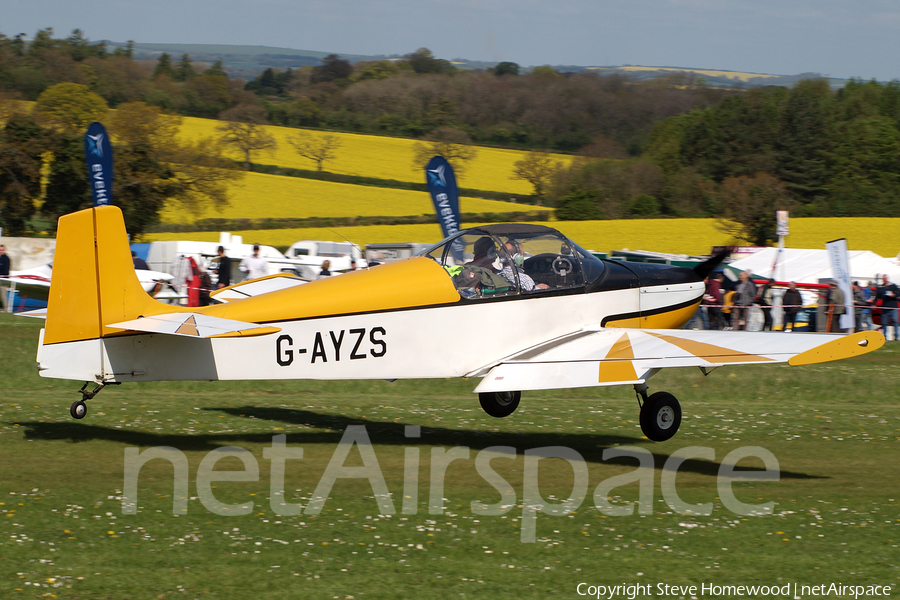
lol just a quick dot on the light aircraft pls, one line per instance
(35, 284)
(520, 306)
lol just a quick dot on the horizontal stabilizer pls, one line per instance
(194, 325)
(257, 287)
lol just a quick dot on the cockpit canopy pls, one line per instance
(513, 258)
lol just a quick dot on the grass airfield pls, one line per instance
(834, 428)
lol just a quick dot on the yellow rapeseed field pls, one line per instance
(261, 196)
(698, 236)
(381, 157)
(681, 236)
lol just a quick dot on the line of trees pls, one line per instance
(670, 147)
(409, 97)
(808, 149)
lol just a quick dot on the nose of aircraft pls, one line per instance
(654, 275)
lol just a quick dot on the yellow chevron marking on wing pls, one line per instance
(189, 327)
(621, 349)
(710, 352)
(618, 366)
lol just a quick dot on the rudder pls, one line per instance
(93, 282)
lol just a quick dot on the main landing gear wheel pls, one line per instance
(78, 409)
(499, 404)
(660, 416)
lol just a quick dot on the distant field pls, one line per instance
(382, 157)
(710, 73)
(681, 236)
(262, 196)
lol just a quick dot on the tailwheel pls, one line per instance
(499, 404)
(660, 416)
(78, 409)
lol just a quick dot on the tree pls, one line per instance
(265, 83)
(125, 52)
(449, 142)
(153, 168)
(69, 107)
(21, 145)
(332, 68)
(164, 66)
(644, 206)
(242, 130)
(315, 148)
(506, 68)
(423, 61)
(79, 48)
(208, 94)
(748, 206)
(865, 169)
(578, 205)
(67, 188)
(217, 69)
(380, 69)
(185, 69)
(43, 41)
(545, 71)
(535, 168)
(802, 141)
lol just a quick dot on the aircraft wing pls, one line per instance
(194, 325)
(255, 287)
(35, 287)
(602, 357)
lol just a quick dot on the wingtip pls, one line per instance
(855, 344)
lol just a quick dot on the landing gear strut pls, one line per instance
(660, 414)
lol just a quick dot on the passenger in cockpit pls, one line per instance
(527, 284)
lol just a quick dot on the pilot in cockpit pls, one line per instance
(485, 254)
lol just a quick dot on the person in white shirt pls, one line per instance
(254, 266)
(518, 256)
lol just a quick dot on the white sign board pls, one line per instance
(840, 268)
(781, 222)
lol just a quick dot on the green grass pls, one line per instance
(834, 428)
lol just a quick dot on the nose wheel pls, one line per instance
(660, 416)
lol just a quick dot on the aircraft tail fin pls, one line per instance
(94, 283)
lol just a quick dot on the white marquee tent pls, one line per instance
(811, 266)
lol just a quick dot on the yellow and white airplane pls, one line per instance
(520, 306)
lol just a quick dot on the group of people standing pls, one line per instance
(864, 299)
(724, 308)
(885, 298)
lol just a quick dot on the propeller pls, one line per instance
(712, 263)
